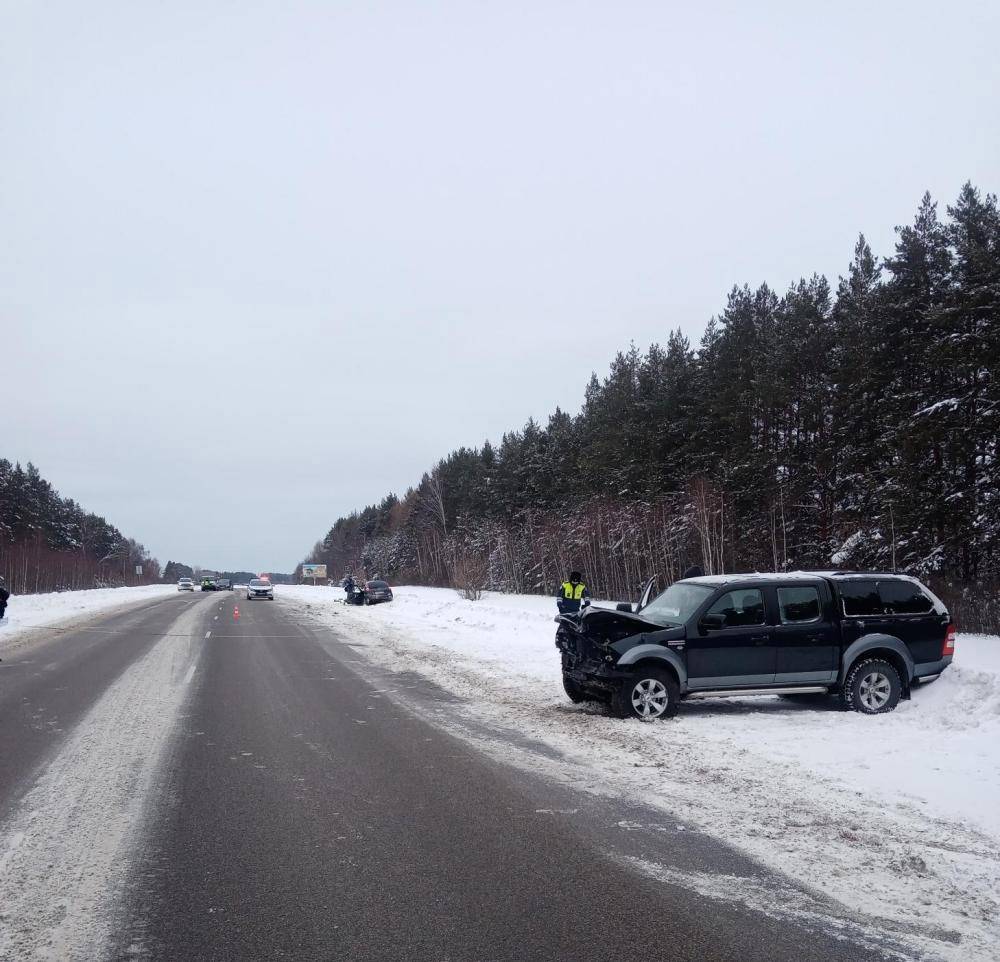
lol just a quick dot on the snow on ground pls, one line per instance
(26, 612)
(897, 818)
(63, 852)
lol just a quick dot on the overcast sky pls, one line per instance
(263, 262)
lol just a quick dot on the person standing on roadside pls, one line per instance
(4, 595)
(571, 594)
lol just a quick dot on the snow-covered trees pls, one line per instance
(49, 543)
(860, 423)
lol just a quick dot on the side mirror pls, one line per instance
(713, 623)
(623, 606)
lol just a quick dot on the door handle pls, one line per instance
(760, 639)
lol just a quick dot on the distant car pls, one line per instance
(208, 584)
(185, 584)
(376, 591)
(258, 588)
(223, 584)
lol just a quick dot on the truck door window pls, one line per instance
(860, 598)
(798, 605)
(740, 608)
(903, 598)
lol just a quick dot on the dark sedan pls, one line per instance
(376, 591)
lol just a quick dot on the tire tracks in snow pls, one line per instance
(65, 850)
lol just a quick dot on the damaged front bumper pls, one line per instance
(588, 665)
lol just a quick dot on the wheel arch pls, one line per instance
(658, 656)
(887, 647)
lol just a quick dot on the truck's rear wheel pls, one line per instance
(872, 687)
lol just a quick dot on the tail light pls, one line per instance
(948, 648)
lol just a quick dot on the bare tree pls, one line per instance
(432, 496)
(470, 573)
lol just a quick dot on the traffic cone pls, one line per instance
(236, 613)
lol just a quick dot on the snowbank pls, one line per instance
(64, 847)
(896, 817)
(26, 612)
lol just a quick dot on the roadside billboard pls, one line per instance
(314, 571)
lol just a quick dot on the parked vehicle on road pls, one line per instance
(185, 584)
(376, 592)
(259, 588)
(223, 584)
(208, 584)
(866, 637)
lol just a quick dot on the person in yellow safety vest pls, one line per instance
(571, 595)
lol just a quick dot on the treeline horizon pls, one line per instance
(174, 570)
(51, 543)
(828, 426)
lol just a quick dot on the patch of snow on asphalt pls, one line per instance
(63, 851)
(896, 818)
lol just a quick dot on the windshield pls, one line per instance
(678, 603)
(257, 583)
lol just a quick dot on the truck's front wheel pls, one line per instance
(574, 691)
(650, 693)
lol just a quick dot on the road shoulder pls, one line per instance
(893, 871)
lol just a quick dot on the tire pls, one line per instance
(872, 687)
(574, 691)
(650, 694)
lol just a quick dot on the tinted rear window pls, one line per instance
(904, 598)
(798, 604)
(377, 584)
(860, 598)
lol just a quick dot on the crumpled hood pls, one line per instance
(649, 634)
(621, 629)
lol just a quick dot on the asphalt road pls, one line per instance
(246, 789)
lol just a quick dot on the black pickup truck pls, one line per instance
(866, 637)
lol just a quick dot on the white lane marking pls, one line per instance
(216, 617)
(208, 634)
(66, 846)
